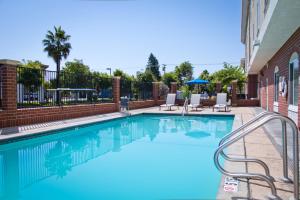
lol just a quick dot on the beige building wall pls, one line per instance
(257, 10)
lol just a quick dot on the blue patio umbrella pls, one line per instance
(197, 82)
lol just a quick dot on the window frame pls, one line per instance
(293, 88)
(276, 85)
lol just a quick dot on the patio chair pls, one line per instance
(169, 102)
(195, 101)
(221, 102)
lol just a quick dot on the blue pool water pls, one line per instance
(140, 157)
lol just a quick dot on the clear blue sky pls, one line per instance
(122, 33)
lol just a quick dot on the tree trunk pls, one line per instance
(57, 82)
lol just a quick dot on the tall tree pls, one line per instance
(76, 75)
(204, 75)
(57, 46)
(184, 72)
(153, 66)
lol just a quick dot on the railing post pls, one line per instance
(284, 153)
(296, 161)
(116, 91)
(9, 90)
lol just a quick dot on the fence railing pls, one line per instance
(136, 90)
(39, 87)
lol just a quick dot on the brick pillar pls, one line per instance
(233, 93)
(218, 87)
(116, 91)
(9, 91)
(173, 87)
(155, 91)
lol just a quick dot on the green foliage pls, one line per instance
(210, 88)
(204, 75)
(30, 74)
(126, 83)
(76, 67)
(143, 83)
(186, 91)
(101, 81)
(168, 78)
(147, 76)
(76, 74)
(228, 74)
(153, 66)
(123, 75)
(184, 72)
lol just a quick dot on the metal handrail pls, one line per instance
(185, 109)
(235, 159)
(260, 176)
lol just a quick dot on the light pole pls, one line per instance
(164, 68)
(109, 68)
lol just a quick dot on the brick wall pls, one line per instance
(247, 103)
(39, 115)
(252, 86)
(280, 59)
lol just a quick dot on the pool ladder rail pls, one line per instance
(246, 129)
(185, 109)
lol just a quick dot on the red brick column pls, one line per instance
(9, 91)
(173, 87)
(218, 87)
(116, 91)
(233, 93)
(155, 91)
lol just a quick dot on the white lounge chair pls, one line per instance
(221, 102)
(195, 101)
(169, 102)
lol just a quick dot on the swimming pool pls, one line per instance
(138, 157)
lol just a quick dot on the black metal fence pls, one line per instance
(39, 87)
(136, 90)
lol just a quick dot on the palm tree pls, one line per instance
(57, 46)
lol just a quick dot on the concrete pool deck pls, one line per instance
(257, 144)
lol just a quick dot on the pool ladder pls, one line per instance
(185, 109)
(246, 129)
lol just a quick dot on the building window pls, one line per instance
(293, 79)
(276, 84)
